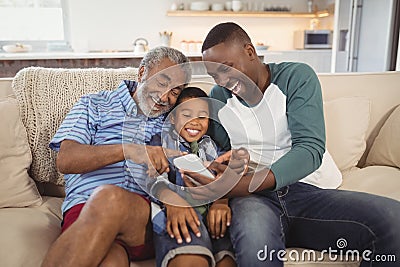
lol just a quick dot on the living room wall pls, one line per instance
(114, 25)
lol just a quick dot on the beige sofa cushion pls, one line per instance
(45, 95)
(379, 180)
(17, 189)
(346, 122)
(5, 87)
(26, 234)
(386, 148)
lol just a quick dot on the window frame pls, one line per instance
(45, 45)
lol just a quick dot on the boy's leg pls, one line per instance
(111, 212)
(187, 260)
(223, 251)
(226, 261)
(344, 221)
(196, 253)
(257, 229)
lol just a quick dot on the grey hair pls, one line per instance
(157, 54)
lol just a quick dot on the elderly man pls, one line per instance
(106, 211)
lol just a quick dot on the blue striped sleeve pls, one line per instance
(78, 125)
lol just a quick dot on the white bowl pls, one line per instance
(217, 7)
(17, 48)
(262, 47)
(200, 6)
(236, 5)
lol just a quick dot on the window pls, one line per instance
(41, 23)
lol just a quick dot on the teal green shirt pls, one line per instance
(305, 121)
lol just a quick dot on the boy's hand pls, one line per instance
(179, 215)
(177, 220)
(219, 218)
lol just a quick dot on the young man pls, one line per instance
(106, 212)
(292, 206)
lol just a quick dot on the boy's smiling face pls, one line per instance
(190, 118)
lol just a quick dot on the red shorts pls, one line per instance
(137, 253)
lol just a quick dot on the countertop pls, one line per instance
(75, 55)
(125, 54)
(66, 55)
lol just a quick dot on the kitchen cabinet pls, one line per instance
(319, 60)
(254, 14)
(11, 63)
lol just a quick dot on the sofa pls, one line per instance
(362, 116)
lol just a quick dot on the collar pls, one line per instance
(124, 91)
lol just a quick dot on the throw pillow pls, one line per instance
(327, 175)
(346, 123)
(17, 189)
(386, 148)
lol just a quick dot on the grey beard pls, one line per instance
(143, 105)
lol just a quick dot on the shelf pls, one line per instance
(254, 14)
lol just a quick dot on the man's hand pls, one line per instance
(237, 159)
(155, 157)
(219, 218)
(237, 166)
(213, 189)
(74, 157)
(229, 182)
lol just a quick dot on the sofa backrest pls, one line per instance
(383, 90)
(45, 95)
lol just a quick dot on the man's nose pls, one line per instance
(164, 97)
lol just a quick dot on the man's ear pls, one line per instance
(140, 73)
(250, 51)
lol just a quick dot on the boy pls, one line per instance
(190, 119)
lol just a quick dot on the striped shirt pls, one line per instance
(107, 117)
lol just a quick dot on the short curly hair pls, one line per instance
(156, 55)
(225, 32)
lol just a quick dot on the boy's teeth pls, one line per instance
(191, 131)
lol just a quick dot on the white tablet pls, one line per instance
(192, 162)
